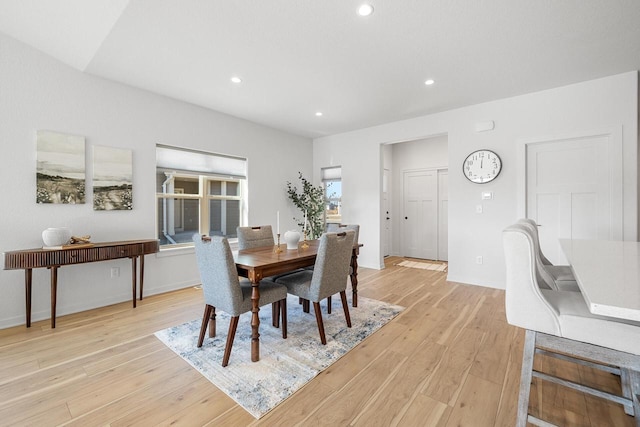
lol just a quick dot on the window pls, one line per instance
(198, 192)
(332, 183)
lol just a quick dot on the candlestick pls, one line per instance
(304, 244)
(277, 248)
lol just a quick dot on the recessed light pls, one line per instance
(365, 10)
(318, 113)
(429, 82)
(236, 79)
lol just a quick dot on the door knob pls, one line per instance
(406, 217)
(387, 217)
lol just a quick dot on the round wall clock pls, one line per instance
(482, 166)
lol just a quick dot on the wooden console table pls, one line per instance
(53, 259)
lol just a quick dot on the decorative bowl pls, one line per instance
(56, 236)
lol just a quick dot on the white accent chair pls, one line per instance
(559, 324)
(558, 277)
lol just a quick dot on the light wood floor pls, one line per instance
(450, 359)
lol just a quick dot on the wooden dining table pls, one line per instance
(257, 263)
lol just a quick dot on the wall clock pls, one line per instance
(482, 166)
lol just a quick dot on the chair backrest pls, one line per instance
(254, 237)
(332, 264)
(534, 229)
(525, 303)
(218, 273)
(545, 280)
(333, 227)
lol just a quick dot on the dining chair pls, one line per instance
(327, 278)
(225, 291)
(258, 237)
(555, 273)
(559, 324)
(333, 227)
(255, 237)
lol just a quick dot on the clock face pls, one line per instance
(482, 166)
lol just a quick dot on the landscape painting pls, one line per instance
(112, 178)
(60, 170)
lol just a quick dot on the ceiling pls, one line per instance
(298, 57)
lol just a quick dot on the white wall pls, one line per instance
(38, 92)
(593, 105)
(428, 153)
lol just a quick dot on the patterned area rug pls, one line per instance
(285, 365)
(423, 265)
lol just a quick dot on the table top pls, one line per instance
(608, 273)
(266, 255)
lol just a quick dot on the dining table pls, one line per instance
(608, 274)
(257, 263)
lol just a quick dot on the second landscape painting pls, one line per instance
(112, 178)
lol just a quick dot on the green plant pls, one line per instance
(310, 199)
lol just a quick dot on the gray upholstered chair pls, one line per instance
(255, 237)
(333, 227)
(327, 278)
(559, 277)
(224, 290)
(559, 324)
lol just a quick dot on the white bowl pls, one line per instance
(56, 236)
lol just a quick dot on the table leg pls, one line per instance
(255, 320)
(134, 273)
(354, 277)
(28, 274)
(141, 275)
(54, 293)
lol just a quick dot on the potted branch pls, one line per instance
(309, 200)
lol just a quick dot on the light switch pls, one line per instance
(487, 195)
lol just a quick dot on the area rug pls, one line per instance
(285, 364)
(423, 265)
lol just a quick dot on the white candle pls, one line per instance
(305, 221)
(278, 222)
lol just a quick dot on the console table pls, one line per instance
(52, 259)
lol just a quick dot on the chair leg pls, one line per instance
(345, 307)
(283, 313)
(316, 308)
(625, 382)
(233, 325)
(305, 305)
(203, 327)
(525, 378)
(329, 304)
(212, 323)
(275, 314)
(634, 380)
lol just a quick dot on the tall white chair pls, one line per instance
(559, 324)
(561, 275)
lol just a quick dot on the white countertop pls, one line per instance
(608, 273)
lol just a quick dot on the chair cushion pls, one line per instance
(269, 293)
(568, 285)
(298, 283)
(578, 323)
(560, 273)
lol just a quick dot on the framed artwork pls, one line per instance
(112, 178)
(60, 170)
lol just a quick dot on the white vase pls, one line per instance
(56, 236)
(292, 237)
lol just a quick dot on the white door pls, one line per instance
(569, 191)
(443, 215)
(420, 221)
(386, 217)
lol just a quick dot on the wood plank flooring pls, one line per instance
(450, 359)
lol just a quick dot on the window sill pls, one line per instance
(188, 249)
